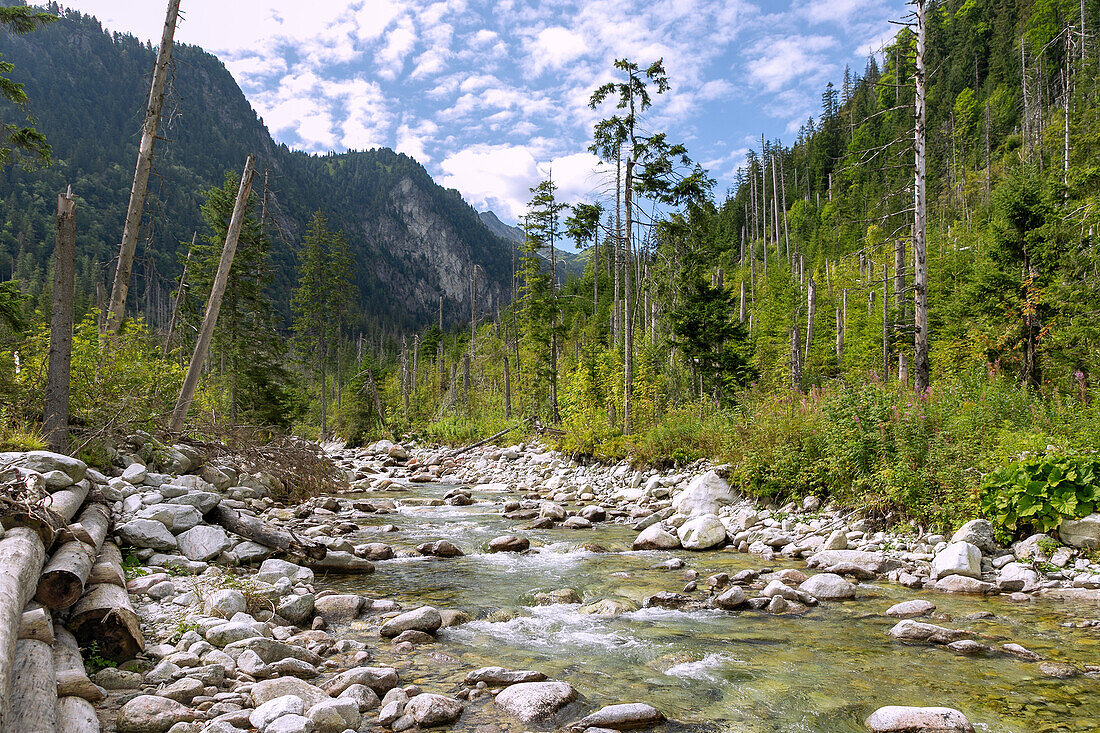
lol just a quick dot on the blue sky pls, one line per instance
(492, 96)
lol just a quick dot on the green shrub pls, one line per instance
(1039, 492)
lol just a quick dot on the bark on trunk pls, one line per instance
(21, 557)
(76, 715)
(33, 690)
(920, 261)
(56, 411)
(252, 528)
(104, 616)
(141, 173)
(72, 678)
(202, 346)
(63, 579)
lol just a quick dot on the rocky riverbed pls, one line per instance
(514, 590)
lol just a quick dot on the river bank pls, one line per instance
(512, 589)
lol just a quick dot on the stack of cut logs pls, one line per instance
(48, 610)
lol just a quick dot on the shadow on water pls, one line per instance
(710, 670)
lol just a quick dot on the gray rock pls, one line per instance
(958, 558)
(425, 618)
(499, 676)
(203, 542)
(963, 584)
(379, 679)
(296, 608)
(911, 609)
(224, 603)
(509, 543)
(364, 697)
(704, 495)
(183, 690)
(291, 724)
(828, 587)
(702, 532)
(276, 708)
(626, 716)
(656, 537)
(270, 689)
(334, 716)
(152, 714)
(341, 561)
(248, 552)
(45, 461)
(732, 598)
(978, 532)
(872, 563)
(899, 719)
(440, 548)
(339, 609)
(1082, 533)
(915, 631)
(273, 569)
(230, 632)
(1017, 577)
(147, 533)
(431, 710)
(535, 702)
(135, 474)
(113, 678)
(838, 540)
(57, 480)
(270, 650)
(1032, 548)
(203, 501)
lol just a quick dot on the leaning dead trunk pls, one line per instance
(141, 173)
(252, 528)
(56, 412)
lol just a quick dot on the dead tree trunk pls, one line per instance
(33, 689)
(811, 312)
(141, 173)
(21, 556)
(256, 530)
(920, 260)
(104, 616)
(56, 411)
(179, 297)
(507, 389)
(841, 314)
(202, 346)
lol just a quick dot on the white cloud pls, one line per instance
(553, 48)
(776, 61)
(498, 177)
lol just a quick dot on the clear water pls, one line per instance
(708, 670)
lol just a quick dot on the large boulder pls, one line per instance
(273, 569)
(268, 690)
(339, 609)
(901, 719)
(915, 631)
(963, 584)
(45, 461)
(704, 495)
(379, 679)
(147, 533)
(535, 702)
(910, 609)
(625, 716)
(958, 558)
(429, 710)
(203, 542)
(335, 716)
(152, 714)
(871, 563)
(828, 587)
(1017, 577)
(656, 537)
(702, 532)
(176, 517)
(425, 618)
(509, 543)
(1083, 533)
(978, 532)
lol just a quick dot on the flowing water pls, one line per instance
(710, 670)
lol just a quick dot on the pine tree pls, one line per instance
(16, 139)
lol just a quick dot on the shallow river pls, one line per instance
(710, 670)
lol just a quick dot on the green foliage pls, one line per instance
(20, 139)
(94, 661)
(1040, 491)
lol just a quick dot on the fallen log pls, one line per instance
(36, 623)
(67, 502)
(92, 524)
(108, 567)
(76, 715)
(255, 529)
(21, 557)
(65, 575)
(490, 439)
(72, 678)
(33, 690)
(48, 516)
(104, 616)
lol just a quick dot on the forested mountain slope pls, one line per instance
(412, 240)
